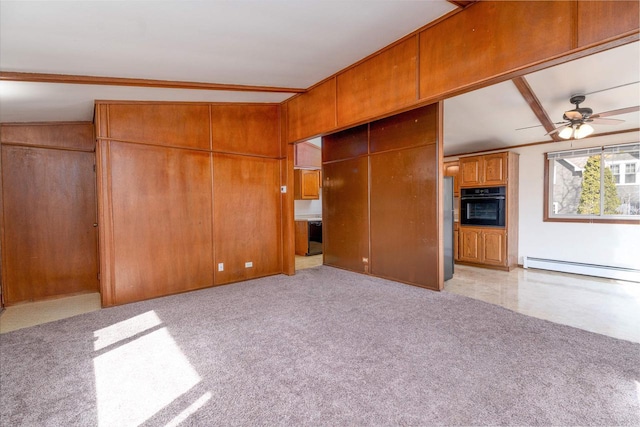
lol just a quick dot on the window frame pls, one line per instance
(602, 219)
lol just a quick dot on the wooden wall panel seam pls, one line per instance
(417, 67)
(369, 264)
(575, 31)
(440, 191)
(213, 223)
(111, 239)
(46, 147)
(189, 149)
(210, 128)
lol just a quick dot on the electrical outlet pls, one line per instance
(283, 189)
(221, 266)
(248, 264)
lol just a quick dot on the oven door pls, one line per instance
(483, 211)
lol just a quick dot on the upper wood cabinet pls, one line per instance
(184, 125)
(259, 134)
(312, 112)
(306, 184)
(483, 44)
(491, 33)
(307, 155)
(487, 170)
(382, 83)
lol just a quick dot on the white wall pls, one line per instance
(308, 207)
(594, 243)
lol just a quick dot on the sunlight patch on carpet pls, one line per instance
(139, 369)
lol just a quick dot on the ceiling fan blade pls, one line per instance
(529, 127)
(616, 112)
(606, 121)
(558, 129)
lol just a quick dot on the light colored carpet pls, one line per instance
(325, 347)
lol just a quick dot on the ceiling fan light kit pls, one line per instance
(578, 132)
(582, 131)
(577, 121)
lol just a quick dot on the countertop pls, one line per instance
(308, 218)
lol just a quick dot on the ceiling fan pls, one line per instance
(577, 121)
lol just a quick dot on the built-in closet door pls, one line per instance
(49, 241)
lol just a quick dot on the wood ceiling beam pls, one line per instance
(462, 3)
(530, 144)
(535, 105)
(122, 81)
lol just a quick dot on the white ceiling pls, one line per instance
(281, 43)
(487, 118)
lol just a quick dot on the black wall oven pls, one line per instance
(483, 206)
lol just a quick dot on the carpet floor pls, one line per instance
(324, 347)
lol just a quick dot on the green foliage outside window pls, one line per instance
(590, 194)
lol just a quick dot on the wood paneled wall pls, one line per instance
(385, 82)
(487, 42)
(183, 188)
(380, 212)
(246, 217)
(49, 242)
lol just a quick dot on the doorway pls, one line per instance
(308, 203)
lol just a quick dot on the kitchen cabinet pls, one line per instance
(484, 171)
(490, 246)
(480, 245)
(308, 236)
(453, 169)
(306, 183)
(307, 155)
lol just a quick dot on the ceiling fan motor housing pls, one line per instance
(578, 114)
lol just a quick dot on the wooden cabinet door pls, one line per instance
(345, 213)
(470, 240)
(302, 237)
(470, 171)
(307, 184)
(494, 247)
(494, 169)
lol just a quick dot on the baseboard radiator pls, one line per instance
(606, 271)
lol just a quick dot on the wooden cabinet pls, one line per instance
(483, 171)
(483, 245)
(307, 155)
(490, 246)
(302, 237)
(306, 184)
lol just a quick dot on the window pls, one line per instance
(594, 184)
(630, 172)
